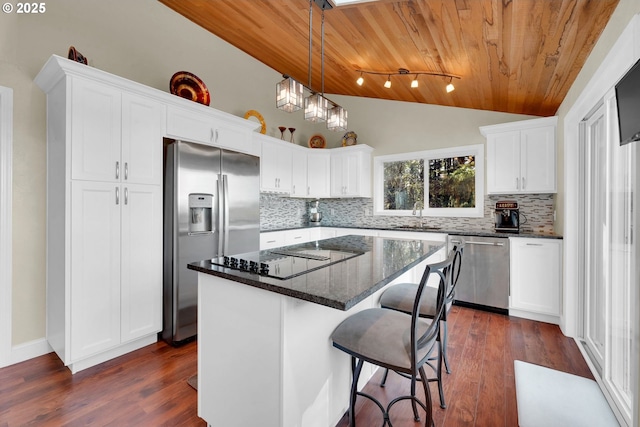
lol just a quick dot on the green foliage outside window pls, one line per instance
(452, 182)
(403, 184)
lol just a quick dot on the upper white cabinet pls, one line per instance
(318, 179)
(351, 171)
(299, 179)
(208, 127)
(536, 278)
(521, 156)
(275, 164)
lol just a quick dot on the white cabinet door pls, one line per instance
(503, 162)
(142, 132)
(95, 268)
(232, 137)
(318, 175)
(271, 239)
(190, 125)
(275, 167)
(350, 174)
(293, 237)
(141, 261)
(95, 131)
(536, 276)
(299, 186)
(538, 160)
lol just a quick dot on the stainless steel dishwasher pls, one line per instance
(484, 276)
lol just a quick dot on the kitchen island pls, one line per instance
(264, 349)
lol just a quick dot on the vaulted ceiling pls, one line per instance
(516, 56)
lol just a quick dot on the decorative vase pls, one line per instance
(292, 130)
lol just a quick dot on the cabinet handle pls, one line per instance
(524, 183)
(126, 196)
(308, 190)
(117, 170)
(293, 190)
(534, 244)
(126, 170)
(271, 241)
(517, 183)
(117, 196)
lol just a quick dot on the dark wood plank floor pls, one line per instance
(149, 387)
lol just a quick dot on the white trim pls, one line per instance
(624, 53)
(6, 161)
(29, 350)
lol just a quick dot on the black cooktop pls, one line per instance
(285, 263)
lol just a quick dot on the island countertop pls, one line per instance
(341, 283)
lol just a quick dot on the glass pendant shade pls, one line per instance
(316, 108)
(337, 119)
(289, 95)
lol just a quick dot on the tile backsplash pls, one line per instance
(278, 212)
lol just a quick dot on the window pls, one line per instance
(444, 182)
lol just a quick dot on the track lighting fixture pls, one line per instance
(404, 71)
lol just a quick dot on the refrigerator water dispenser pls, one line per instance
(200, 213)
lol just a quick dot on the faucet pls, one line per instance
(418, 206)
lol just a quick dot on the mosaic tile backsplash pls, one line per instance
(278, 212)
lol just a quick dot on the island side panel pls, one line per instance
(239, 354)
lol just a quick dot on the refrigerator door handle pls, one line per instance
(220, 217)
(225, 186)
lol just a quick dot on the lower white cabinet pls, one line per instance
(536, 278)
(115, 289)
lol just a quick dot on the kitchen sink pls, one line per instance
(416, 228)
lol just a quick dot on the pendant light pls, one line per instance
(289, 95)
(315, 105)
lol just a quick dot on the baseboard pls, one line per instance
(113, 353)
(29, 350)
(547, 318)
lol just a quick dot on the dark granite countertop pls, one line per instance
(470, 232)
(341, 285)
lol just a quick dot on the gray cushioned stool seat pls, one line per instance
(380, 336)
(401, 296)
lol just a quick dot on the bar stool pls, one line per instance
(395, 340)
(400, 297)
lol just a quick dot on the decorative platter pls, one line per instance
(254, 113)
(189, 86)
(317, 141)
(349, 138)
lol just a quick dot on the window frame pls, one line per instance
(476, 150)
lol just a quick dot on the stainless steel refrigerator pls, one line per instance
(211, 209)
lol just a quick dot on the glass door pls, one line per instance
(595, 236)
(610, 253)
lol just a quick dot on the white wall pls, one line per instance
(146, 42)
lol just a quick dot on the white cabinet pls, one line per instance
(351, 171)
(104, 214)
(536, 278)
(318, 180)
(310, 173)
(275, 165)
(205, 125)
(521, 156)
(299, 187)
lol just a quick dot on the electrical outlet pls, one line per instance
(333, 212)
(366, 212)
(299, 212)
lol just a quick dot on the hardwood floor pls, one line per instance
(481, 390)
(149, 387)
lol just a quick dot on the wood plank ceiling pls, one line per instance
(516, 56)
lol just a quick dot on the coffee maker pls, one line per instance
(507, 217)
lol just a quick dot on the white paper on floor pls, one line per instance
(551, 398)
